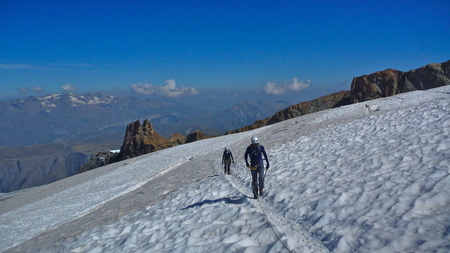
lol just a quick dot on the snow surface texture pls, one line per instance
(368, 177)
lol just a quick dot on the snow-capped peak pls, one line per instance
(53, 100)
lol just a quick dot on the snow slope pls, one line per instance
(369, 177)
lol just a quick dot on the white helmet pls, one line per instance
(254, 140)
(227, 149)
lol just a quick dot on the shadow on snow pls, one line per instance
(233, 200)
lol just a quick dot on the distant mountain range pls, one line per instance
(62, 117)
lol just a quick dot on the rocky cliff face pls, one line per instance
(367, 87)
(391, 82)
(17, 174)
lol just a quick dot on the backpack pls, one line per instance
(256, 153)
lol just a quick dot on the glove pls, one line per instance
(267, 166)
(233, 161)
(246, 164)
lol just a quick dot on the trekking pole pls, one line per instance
(265, 172)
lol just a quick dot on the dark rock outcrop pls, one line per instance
(177, 139)
(367, 87)
(99, 160)
(141, 140)
(196, 136)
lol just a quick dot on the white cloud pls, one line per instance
(68, 87)
(273, 88)
(145, 89)
(279, 89)
(169, 90)
(24, 90)
(36, 89)
(298, 86)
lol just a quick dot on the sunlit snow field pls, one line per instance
(369, 177)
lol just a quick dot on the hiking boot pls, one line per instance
(261, 192)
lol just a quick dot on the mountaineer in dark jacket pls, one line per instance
(227, 158)
(255, 153)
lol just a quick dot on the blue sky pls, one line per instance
(179, 48)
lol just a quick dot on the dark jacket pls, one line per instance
(227, 155)
(255, 154)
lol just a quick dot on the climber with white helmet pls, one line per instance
(255, 153)
(227, 159)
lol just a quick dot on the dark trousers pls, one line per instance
(226, 167)
(258, 177)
